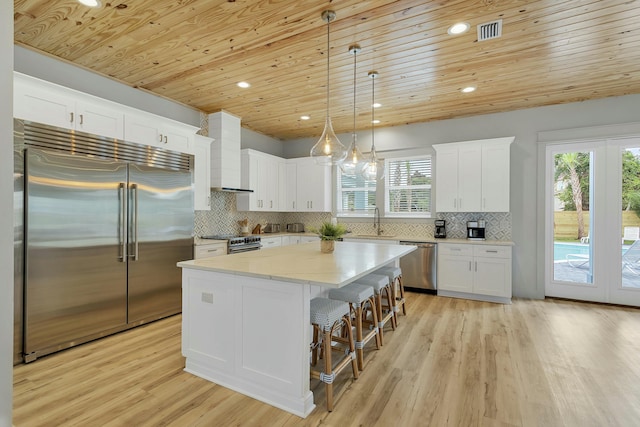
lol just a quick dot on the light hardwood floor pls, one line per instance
(450, 363)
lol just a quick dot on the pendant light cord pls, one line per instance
(373, 108)
(328, 57)
(355, 54)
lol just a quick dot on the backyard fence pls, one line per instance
(565, 223)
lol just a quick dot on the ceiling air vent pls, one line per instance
(490, 30)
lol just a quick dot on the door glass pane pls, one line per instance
(631, 218)
(572, 245)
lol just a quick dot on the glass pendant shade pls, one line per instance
(374, 169)
(328, 150)
(355, 162)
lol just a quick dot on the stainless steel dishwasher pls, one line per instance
(419, 266)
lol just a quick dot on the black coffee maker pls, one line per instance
(441, 230)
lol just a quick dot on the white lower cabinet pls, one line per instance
(290, 240)
(209, 250)
(475, 271)
(307, 239)
(271, 242)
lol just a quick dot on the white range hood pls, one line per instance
(224, 128)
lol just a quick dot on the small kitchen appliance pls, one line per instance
(441, 230)
(296, 227)
(475, 230)
(272, 228)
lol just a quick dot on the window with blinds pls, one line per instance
(356, 195)
(408, 187)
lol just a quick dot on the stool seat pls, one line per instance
(354, 293)
(325, 312)
(395, 277)
(377, 281)
(391, 272)
(381, 287)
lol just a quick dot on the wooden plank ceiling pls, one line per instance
(195, 51)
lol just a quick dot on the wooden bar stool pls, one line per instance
(327, 316)
(381, 288)
(395, 277)
(359, 296)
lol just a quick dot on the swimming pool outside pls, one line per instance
(562, 249)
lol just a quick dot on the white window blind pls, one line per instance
(356, 195)
(408, 187)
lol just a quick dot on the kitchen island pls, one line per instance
(245, 317)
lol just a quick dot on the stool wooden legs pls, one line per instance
(401, 300)
(328, 374)
(359, 312)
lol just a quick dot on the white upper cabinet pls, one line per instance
(44, 102)
(260, 173)
(313, 186)
(495, 176)
(149, 129)
(202, 173)
(473, 176)
(292, 185)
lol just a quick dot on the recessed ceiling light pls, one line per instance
(468, 89)
(459, 28)
(377, 105)
(243, 85)
(91, 3)
(305, 117)
(375, 122)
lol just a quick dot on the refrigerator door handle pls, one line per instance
(123, 216)
(134, 190)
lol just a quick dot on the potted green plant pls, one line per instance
(329, 233)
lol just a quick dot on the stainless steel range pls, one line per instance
(237, 244)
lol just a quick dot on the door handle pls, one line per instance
(71, 118)
(134, 190)
(81, 119)
(123, 215)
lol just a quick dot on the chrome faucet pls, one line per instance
(376, 220)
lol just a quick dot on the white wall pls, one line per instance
(6, 213)
(528, 280)
(55, 71)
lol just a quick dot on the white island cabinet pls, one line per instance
(246, 317)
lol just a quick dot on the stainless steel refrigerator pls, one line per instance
(105, 224)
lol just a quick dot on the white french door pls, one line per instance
(591, 255)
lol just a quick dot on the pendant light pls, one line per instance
(328, 150)
(375, 167)
(355, 162)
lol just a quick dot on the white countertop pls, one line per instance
(304, 263)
